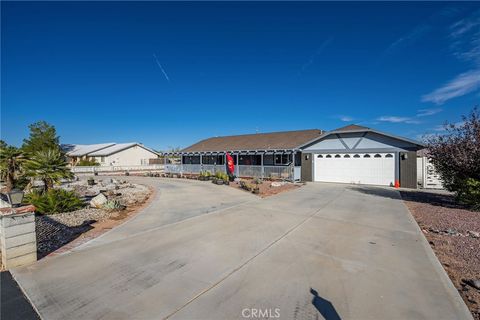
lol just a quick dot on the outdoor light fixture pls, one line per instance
(15, 197)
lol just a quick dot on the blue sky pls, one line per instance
(169, 74)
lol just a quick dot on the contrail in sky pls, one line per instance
(161, 68)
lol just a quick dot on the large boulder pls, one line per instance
(98, 201)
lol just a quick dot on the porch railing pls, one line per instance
(273, 172)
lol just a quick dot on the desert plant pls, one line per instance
(54, 201)
(113, 205)
(455, 155)
(257, 180)
(49, 166)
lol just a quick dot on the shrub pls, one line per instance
(87, 163)
(222, 176)
(455, 155)
(469, 193)
(113, 205)
(54, 201)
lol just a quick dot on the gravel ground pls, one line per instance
(56, 230)
(453, 232)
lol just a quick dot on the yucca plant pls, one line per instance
(54, 201)
(47, 165)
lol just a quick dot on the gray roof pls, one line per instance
(356, 128)
(100, 149)
(78, 150)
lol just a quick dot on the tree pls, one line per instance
(456, 156)
(47, 165)
(43, 136)
(10, 160)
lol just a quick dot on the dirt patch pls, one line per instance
(453, 233)
(267, 188)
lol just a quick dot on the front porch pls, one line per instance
(275, 165)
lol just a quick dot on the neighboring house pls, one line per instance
(351, 154)
(111, 154)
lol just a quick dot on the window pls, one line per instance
(216, 159)
(282, 159)
(268, 159)
(319, 156)
(346, 156)
(191, 159)
(389, 156)
(250, 159)
(328, 156)
(338, 156)
(102, 159)
(366, 156)
(356, 156)
(377, 156)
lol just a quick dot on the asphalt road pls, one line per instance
(202, 251)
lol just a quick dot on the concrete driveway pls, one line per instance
(202, 251)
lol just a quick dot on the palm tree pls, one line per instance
(47, 165)
(10, 160)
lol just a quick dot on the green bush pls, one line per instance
(87, 163)
(469, 193)
(222, 176)
(54, 201)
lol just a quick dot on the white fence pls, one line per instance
(93, 169)
(427, 176)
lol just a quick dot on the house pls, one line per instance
(111, 154)
(351, 154)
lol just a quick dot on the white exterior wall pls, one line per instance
(133, 156)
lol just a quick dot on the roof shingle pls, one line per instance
(257, 141)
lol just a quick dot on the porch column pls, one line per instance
(201, 162)
(293, 165)
(397, 170)
(263, 168)
(236, 167)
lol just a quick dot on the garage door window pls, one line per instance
(389, 156)
(328, 156)
(319, 156)
(377, 156)
(346, 156)
(356, 156)
(366, 156)
(338, 156)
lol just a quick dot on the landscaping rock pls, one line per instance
(98, 201)
(111, 186)
(276, 184)
(474, 234)
(474, 283)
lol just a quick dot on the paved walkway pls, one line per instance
(202, 251)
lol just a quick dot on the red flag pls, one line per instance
(230, 163)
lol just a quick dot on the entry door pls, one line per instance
(361, 168)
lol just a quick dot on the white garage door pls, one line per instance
(361, 168)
